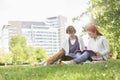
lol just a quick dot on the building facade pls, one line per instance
(48, 34)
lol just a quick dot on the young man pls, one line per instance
(68, 49)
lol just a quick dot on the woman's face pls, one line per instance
(91, 34)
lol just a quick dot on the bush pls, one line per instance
(6, 58)
(38, 54)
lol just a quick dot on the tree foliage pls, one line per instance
(17, 40)
(21, 53)
(17, 47)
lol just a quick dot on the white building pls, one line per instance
(5, 38)
(48, 34)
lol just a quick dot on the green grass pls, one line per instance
(101, 71)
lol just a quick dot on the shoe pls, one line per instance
(34, 64)
(67, 62)
(44, 63)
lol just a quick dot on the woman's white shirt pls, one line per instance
(100, 44)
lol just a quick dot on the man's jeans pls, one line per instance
(78, 57)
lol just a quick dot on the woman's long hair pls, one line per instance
(93, 28)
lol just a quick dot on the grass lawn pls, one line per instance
(101, 71)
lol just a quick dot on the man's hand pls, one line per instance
(97, 54)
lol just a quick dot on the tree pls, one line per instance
(106, 15)
(18, 48)
(17, 40)
(21, 53)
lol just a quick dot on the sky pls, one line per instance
(36, 10)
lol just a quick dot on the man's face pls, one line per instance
(71, 34)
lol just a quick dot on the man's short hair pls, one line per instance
(70, 29)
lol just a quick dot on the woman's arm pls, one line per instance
(106, 47)
(103, 46)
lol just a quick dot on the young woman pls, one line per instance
(70, 46)
(98, 47)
